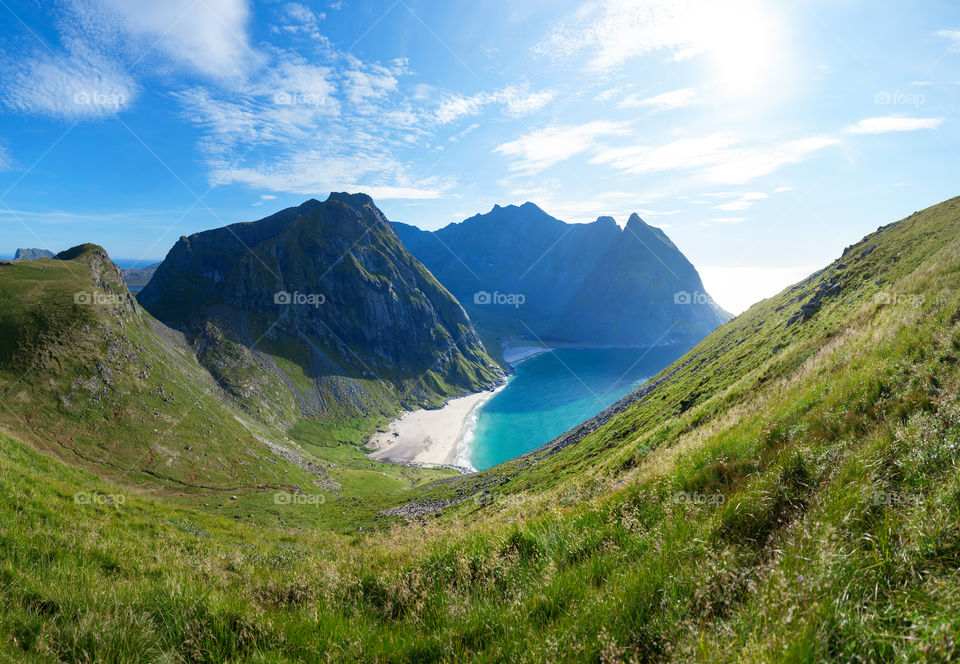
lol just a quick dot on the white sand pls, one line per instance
(428, 437)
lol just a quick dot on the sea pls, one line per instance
(553, 392)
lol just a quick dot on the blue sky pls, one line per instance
(763, 137)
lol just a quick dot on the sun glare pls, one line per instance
(743, 45)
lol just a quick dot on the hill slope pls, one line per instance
(88, 376)
(787, 491)
(326, 313)
(577, 283)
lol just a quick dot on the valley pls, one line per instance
(812, 436)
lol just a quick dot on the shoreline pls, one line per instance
(443, 437)
(430, 438)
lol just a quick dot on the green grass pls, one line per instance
(791, 505)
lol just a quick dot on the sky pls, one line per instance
(762, 137)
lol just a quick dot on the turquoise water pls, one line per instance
(555, 391)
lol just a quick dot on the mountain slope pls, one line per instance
(578, 283)
(788, 491)
(326, 313)
(90, 377)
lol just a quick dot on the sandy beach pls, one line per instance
(435, 437)
(428, 437)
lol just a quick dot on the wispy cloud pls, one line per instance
(721, 157)
(953, 36)
(517, 100)
(741, 201)
(890, 123)
(543, 148)
(74, 85)
(684, 153)
(614, 31)
(742, 165)
(298, 19)
(662, 102)
(209, 36)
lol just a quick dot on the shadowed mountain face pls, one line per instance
(318, 310)
(521, 273)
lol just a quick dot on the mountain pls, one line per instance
(137, 278)
(787, 491)
(521, 273)
(91, 379)
(318, 311)
(32, 254)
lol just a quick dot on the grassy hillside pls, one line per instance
(88, 376)
(785, 492)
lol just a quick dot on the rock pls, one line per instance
(32, 254)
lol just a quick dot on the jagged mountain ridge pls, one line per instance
(589, 283)
(367, 327)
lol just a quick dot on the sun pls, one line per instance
(744, 43)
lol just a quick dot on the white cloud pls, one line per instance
(209, 36)
(889, 123)
(742, 165)
(5, 161)
(315, 173)
(608, 94)
(684, 153)
(741, 34)
(299, 19)
(741, 201)
(366, 85)
(543, 148)
(662, 102)
(74, 85)
(719, 155)
(953, 36)
(517, 100)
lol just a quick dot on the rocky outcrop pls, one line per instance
(521, 273)
(32, 254)
(326, 299)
